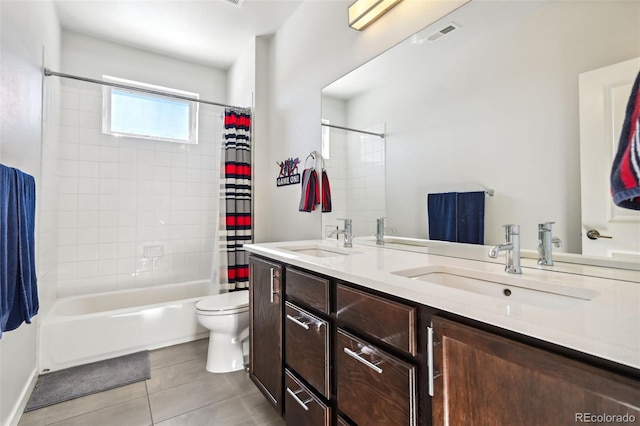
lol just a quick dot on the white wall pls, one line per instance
(501, 111)
(242, 77)
(25, 139)
(313, 48)
(119, 195)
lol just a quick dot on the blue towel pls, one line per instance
(442, 210)
(456, 217)
(18, 282)
(470, 217)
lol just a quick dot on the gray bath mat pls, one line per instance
(86, 379)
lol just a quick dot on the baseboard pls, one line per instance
(18, 410)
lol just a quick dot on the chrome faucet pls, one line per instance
(545, 243)
(347, 231)
(380, 230)
(511, 247)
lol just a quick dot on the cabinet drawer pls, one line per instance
(391, 322)
(308, 289)
(307, 347)
(374, 388)
(302, 406)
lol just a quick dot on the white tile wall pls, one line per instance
(366, 181)
(356, 172)
(118, 195)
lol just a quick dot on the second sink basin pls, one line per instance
(507, 288)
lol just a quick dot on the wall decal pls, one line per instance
(289, 174)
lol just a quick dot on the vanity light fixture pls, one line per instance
(363, 13)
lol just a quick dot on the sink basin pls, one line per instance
(317, 250)
(507, 288)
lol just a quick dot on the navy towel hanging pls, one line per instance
(18, 281)
(456, 216)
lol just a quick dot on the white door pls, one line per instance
(604, 94)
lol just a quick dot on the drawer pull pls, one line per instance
(297, 321)
(430, 358)
(357, 355)
(271, 281)
(302, 403)
(433, 373)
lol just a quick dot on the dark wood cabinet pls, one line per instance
(337, 353)
(486, 379)
(374, 387)
(266, 329)
(307, 347)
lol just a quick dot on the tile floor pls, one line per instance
(179, 392)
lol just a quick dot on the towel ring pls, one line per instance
(311, 155)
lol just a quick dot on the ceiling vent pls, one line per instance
(446, 30)
(237, 3)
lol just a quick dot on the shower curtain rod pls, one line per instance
(49, 73)
(381, 135)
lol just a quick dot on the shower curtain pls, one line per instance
(235, 227)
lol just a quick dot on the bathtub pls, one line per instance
(82, 329)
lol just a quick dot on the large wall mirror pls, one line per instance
(485, 98)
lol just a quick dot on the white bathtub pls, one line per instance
(82, 329)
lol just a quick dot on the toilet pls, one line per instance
(226, 316)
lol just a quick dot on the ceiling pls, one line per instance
(209, 32)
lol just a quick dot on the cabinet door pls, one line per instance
(487, 379)
(307, 347)
(374, 387)
(266, 329)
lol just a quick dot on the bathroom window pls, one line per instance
(143, 115)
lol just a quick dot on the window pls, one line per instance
(143, 115)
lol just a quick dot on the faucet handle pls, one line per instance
(545, 226)
(511, 229)
(346, 220)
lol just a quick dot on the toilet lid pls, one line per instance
(224, 301)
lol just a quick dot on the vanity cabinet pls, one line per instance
(265, 328)
(352, 356)
(484, 378)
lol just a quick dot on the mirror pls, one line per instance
(485, 98)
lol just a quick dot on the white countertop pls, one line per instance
(607, 325)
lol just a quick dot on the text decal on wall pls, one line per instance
(289, 174)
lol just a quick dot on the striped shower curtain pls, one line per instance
(235, 199)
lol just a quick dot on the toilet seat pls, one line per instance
(224, 303)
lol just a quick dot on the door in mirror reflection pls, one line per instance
(607, 230)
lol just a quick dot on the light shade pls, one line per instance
(363, 13)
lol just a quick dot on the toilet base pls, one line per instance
(225, 353)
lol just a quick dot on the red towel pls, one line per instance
(310, 191)
(326, 193)
(625, 173)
